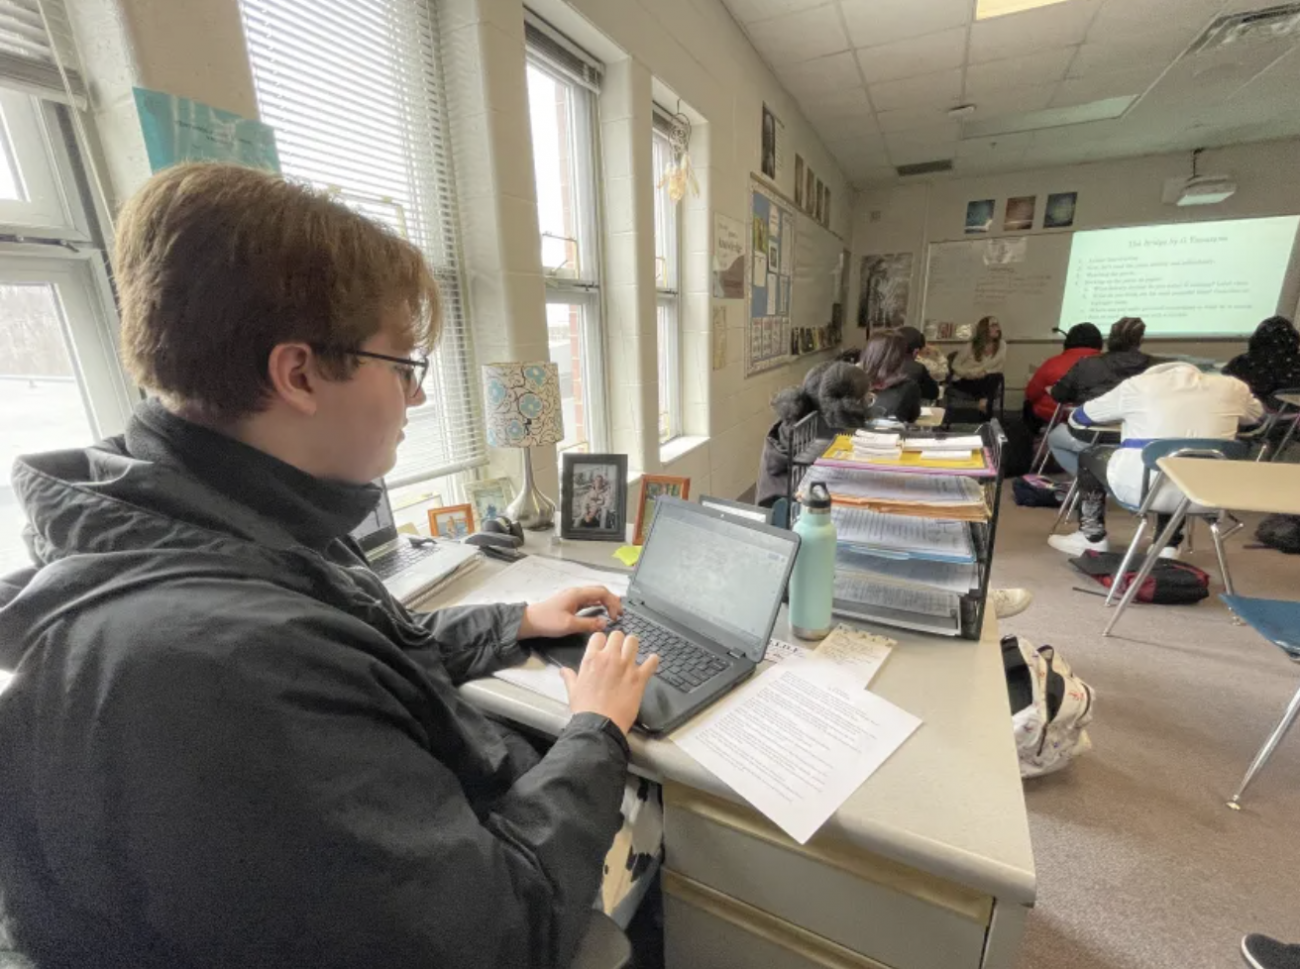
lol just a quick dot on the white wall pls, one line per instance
(906, 218)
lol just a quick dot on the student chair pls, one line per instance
(1153, 484)
(1072, 496)
(604, 946)
(955, 399)
(1281, 418)
(1278, 622)
(1044, 452)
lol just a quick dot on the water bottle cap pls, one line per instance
(818, 498)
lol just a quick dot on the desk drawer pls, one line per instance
(704, 929)
(905, 919)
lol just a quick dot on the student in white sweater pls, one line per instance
(978, 366)
(1170, 400)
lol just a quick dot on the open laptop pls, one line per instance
(705, 596)
(409, 571)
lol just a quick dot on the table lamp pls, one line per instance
(522, 402)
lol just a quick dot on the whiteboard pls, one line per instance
(1018, 279)
(818, 254)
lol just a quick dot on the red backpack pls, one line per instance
(1170, 583)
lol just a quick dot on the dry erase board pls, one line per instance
(1018, 279)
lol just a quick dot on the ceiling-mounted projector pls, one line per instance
(1205, 190)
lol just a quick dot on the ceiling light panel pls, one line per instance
(988, 9)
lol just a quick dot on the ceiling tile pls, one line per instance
(1097, 87)
(800, 36)
(923, 144)
(873, 22)
(1060, 25)
(1014, 100)
(751, 11)
(1003, 145)
(845, 109)
(1119, 19)
(822, 76)
(1033, 70)
(929, 90)
(866, 175)
(1144, 49)
(919, 55)
(909, 118)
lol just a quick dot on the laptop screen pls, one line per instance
(705, 569)
(377, 528)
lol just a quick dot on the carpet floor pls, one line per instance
(1140, 863)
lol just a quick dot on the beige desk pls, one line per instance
(1293, 401)
(927, 866)
(1230, 485)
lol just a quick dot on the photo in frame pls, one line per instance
(489, 497)
(593, 492)
(452, 523)
(654, 487)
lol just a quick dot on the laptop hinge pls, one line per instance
(735, 654)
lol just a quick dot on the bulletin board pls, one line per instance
(771, 272)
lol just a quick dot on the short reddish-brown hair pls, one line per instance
(217, 264)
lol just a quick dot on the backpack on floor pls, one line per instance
(1171, 583)
(1050, 707)
(1281, 532)
(1035, 491)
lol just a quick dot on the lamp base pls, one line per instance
(532, 509)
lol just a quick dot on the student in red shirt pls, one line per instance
(1083, 340)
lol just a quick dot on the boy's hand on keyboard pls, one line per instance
(558, 615)
(609, 681)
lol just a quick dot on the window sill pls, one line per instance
(679, 447)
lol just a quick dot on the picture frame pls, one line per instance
(452, 523)
(489, 497)
(738, 509)
(593, 497)
(653, 487)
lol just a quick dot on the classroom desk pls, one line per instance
(1287, 400)
(1248, 486)
(927, 866)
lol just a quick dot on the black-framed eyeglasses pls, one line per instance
(412, 371)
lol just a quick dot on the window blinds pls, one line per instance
(355, 94)
(560, 54)
(28, 44)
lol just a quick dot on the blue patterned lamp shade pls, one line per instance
(522, 403)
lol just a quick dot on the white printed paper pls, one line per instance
(793, 748)
(538, 676)
(778, 651)
(856, 656)
(938, 454)
(537, 578)
(771, 294)
(760, 268)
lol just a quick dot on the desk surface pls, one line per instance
(1292, 399)
(949, 802)
(1237, 485)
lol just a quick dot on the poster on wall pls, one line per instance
(819, 200)
(768, 342)
(1059, 213)
(728, 258)
(886, 287)
(979, 216)
(718, 337)
(798, 181)
(810, 183)
(826, 209)
(1020, 214)
(773, 160)
(180, 129)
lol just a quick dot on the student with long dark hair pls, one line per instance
(1271, 361)
(897, 395)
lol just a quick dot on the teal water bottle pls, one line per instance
(812, 583)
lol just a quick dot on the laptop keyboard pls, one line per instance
(404, 556)
(681, 663)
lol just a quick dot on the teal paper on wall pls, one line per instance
(179, 129)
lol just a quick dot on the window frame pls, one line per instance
(53, 209)
(585, 288)
(668, 296)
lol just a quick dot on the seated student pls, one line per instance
(896, 395)
(977, 368)
(1083, 340)
(918, 371)
(1171, 400)
(1093, 376)
(225, 743)
(835, 389)
(1271, 361)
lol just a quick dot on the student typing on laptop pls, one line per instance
(225, 743)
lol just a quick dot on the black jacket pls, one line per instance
(226, 745)
(1093, 376)
(901, 402)
(919, 375)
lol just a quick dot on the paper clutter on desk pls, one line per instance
(629, 555)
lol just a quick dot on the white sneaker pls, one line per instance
(1010, 602)
(1077, 543)
(1171, 552)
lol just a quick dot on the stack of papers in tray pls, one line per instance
(873, 444)
(920, 496)
(861, 596)
(936, 540)
(919, 458)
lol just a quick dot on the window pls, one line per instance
(355, 94)
(667, 284)
(61, 385)
(562, 81)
